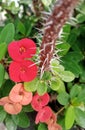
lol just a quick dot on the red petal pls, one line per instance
(14, 49)
(14, 71)
(52, 119)
(43, 115)
(36, 104)
(30, 71)
(39, 101)
(45, 99)
(30, 47)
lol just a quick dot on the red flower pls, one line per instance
(22, 71)
(9, 106)
(43, 115)
(22, 49)
(18, 94)
(40, 101)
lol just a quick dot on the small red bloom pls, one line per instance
(52, 119)
(43, 115)
(40, 101)
(22, 71)
(19, 95)
(52, 125)
(22, 49)
(9, 106)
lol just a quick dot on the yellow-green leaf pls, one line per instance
(69, 117)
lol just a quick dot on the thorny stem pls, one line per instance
(54, 23)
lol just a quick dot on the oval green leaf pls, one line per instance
(42, 127)
(56, 84)
(10, 125)
(67, 76)
(31, 86)
(42, 88)
(21, 120)
(63, 98)
(80, 117)
(7, 34)
(69, 117)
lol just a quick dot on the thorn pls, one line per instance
(47, 13)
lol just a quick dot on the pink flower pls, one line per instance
(43, 115)
(40, 101)
(52, 119)
(22, 71)
(9, 106)
(22, 49)
(19, 95)
(54, 126)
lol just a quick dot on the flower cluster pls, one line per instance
(17, 98)
(45, 114)
(39, 104)
(22, 69)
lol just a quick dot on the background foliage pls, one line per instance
(69, 69)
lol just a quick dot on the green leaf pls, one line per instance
(63, 98)
(69, 117)
(81, 96)
(31, 86)
(73, 36)
(42, 126)
(46, 2)
(66, 31)
(2, 73)
(80, 117)
(30, 24)
(56, 84)
(64, 47)
(21, 120)
(76, 89)
(82, 75)
(72, 65)
(2, 114)
(80, 18)
(76, 56)
(6, 88)
(7, 34)
(56, 67)
(3, 49)
(61, 122)
(27, 108)
(21, 28)
(47, 76)
(67, 76)
(42, 88)
(10, 125)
